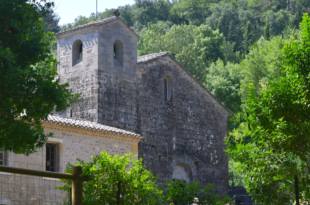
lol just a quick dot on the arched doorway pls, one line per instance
(182, 172)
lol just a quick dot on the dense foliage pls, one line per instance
(124, 180)
(28, 88)
(51, 20)
(279, 123)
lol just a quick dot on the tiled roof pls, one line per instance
(94, 24)
(88, 125)
(154, 56)
(151, 57)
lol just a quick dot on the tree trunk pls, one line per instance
(296, 190)
(248, 120)
(118, 196)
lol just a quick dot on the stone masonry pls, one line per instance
(183, 136)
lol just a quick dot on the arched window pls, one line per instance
(77, 52)
(168, 89)
(118, 53)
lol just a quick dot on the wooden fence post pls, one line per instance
(77, 186)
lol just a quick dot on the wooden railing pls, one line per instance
(75, 177)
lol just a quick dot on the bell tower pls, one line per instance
(90, 56)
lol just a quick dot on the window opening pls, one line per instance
(168, 89)
(81, 51)
(51, 157)
(1, 157)
(77, 52)
(118, 53)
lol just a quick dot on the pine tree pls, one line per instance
(247, 36)
(266, 31)
(234, 35)
(52, 22)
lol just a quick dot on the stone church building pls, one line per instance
(182, 123)
(149, 105)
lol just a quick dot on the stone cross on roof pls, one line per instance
(116, 13)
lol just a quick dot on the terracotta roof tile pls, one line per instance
(88, 125)
(151, 57)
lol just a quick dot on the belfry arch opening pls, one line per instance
(118, 53)
(77, 52)
(168, 89)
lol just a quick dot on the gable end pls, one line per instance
(95, 24)
(142, 60)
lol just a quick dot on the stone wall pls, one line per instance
(85, 75)
(189, 130)
(72, 143)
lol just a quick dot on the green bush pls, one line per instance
(124, 180)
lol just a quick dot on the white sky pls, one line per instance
(68, 10)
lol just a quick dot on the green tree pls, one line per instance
(209, 43)
(125, 14)
(266, 31)
(29, 90)
(279, 120)
(234, 36)
(224, 82)
(278, 22)
(222, 15)
(195, 11)
(52, 20)
(179, 40)
(179, 192)
(230, 22)
(144, 12)
(116, 175)
(248, 37)
(107, 13)
(261, 65)
(194, 47)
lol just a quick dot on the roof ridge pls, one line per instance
(95, 24)
(151, 57)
